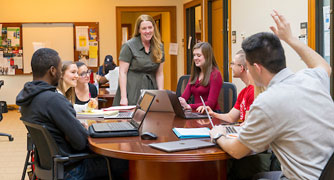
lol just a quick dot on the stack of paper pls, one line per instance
(119, 108)
(191, 132)
(95, 113)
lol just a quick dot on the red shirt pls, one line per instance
(209, 93)
(244, 101)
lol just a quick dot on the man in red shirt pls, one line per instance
(245, 97)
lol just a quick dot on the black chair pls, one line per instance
(3, 109)
(227, 97)
(49, 160)
(328, 171)
(28, 161)
(181, 84)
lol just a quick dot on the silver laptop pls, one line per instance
(161, 101)
(127, 128)
(181, 145)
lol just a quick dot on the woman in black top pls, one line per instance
(85, 93)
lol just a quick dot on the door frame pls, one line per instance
(190, 4)
(173, 37)
(314, 34)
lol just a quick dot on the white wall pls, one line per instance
(250, 17)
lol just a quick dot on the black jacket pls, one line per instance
(41, 104)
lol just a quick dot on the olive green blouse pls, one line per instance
(141, 72)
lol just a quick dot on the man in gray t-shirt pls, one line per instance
(295, 115)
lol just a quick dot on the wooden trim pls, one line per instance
(185, 45)
(173, 28)
(229, 39)
(311, 28)
(206, 24)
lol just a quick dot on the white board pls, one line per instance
(57, 36)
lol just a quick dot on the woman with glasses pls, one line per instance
(68, 80)
(140, 62)
(85, 93)
(205, 79)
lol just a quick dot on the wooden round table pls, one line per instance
(146, 163)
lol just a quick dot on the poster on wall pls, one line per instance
(81, 38)
(13, 36)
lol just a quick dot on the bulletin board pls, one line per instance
(56, 35)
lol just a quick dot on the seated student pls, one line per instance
(245, 97)
(293, 110)
(205, 79)
(85, 92)
(41, 104)
(108, 65)
(68, 80)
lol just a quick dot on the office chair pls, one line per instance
(328, 171)
(227, 97)
(49, 161)
(3, 109)
(181, 85)
(29, 150)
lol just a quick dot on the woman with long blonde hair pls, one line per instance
(68, 80)
(140, 62)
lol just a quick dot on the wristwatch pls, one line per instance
(216, 137)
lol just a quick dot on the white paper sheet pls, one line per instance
(18, 61)
(173, 48)
(81, 38)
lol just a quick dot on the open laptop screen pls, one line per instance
(142, 107)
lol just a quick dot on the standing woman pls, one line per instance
(85, 92)
(205, 79)
(140, 62)
(68, 80)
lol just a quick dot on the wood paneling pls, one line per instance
(311, 27)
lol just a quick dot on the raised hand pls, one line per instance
(282, 29)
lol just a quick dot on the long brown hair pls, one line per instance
(210, 63)
(156, 39)
(70, 93)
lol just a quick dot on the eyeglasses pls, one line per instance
(84, 74)
(233, 63)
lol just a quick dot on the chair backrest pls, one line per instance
(181, 84)
(328, 171)
(45, 145)
(227, 97)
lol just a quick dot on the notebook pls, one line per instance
(182, 145)
(178, 109)
(161, 101)
(191, 132)
(116, 129)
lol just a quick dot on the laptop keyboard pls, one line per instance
(125, 114)
(118, 126)
(121, 115)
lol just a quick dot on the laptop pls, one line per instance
(131, 128)
(181, 145)
(178, 109)
(161, 101)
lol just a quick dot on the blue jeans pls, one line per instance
(96, 168)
